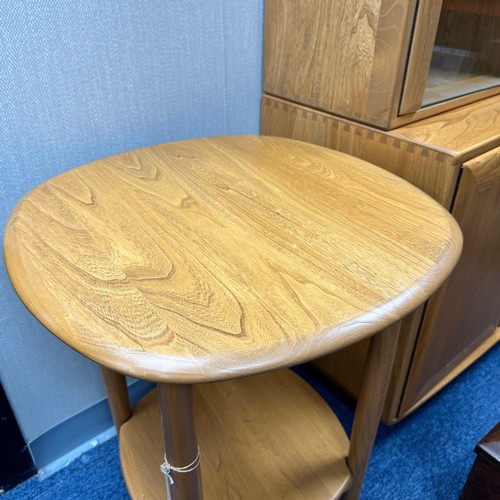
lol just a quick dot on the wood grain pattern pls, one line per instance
(431, 168)
(268, 436)
(216, 258)
(369, 60)
(464, 320)
(429, 154)
(463, 132)
(309, 44)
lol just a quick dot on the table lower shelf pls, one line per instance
(268, 436)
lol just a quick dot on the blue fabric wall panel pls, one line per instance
(83, 80)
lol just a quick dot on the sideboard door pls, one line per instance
(461, 320)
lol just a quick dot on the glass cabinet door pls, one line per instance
(466, 52)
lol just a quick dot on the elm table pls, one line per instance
(210, 265)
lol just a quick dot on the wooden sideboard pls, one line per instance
(411, 86)
(455, 158)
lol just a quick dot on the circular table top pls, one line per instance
(215, 258)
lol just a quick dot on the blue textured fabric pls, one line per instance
(425, 457)
(83, 80)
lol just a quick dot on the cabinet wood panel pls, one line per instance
(433, 170)
(381, 62)
(463, 133)
(342, 57)
(419, 59)
(466, 310)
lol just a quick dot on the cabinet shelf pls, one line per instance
(441, 87)
(268, 436)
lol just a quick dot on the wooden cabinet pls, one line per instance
(382, 62)
(463, 314)
(411, 86)
(455, 158)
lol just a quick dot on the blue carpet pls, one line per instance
(427, 456)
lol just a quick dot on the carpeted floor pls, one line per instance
(427, 456)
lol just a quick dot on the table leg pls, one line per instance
(116, 389)
(376, 376)
(181, 447)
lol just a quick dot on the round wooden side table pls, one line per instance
(211, 265)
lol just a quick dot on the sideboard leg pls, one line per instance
(116, 389)
(181, 447)
(376, 376)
